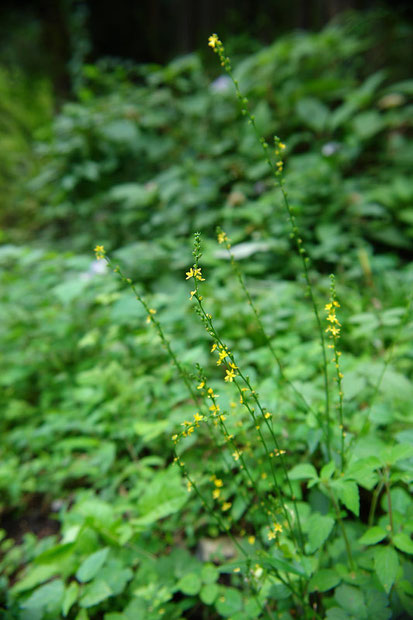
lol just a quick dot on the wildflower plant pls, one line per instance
(293, 519)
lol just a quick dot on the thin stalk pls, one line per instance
(374, 501)
(342, 527)
(277, 173)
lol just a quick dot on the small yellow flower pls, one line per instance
(214, 346)
(218, 482)
(222, 237)
(230, 374)
(267, 415)
(236, 570)
(99, 251)
(201, 385)
(198, 417)
(151, 313)
(279, 452)
(236, 455)
(192, 294)
(251, 540)
(216, 493)
(189, 486)
(222, 355)
(333, 329)
(214, 408)
(174, 438)
(226, 506)
(213, 40)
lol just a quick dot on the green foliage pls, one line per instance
(320, 525)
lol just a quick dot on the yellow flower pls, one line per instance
(151, 312)
(216, 493)
(218, 483)
(226, 506)
(198, 417)
(273, 533)
(267, 415)
(174, 438)
(236, 570)
(201, 385)
(192, 294)
(214, 346)
(222, 355)
(99, 251)
(222, 237)
(195, 273)
(333, 329)
(230, 375)
(189, 486)
(251, 540)
(213, 40)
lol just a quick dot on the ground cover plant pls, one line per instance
(215, 463)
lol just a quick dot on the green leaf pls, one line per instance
(373, 536)
(323, 580)
(348, 494)
(95, 593)
(209, 593)
(319, 528)
(229, 602)
(91, 566)
(393, 454)
(209, 573)
(36, 575)
(190, 584)
(302, 472)
(69, 597)
(327, 471)
(386, 563)
(336, 613)
(47, 597)
(403, 542)
(351, 599)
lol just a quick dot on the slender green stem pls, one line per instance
(342, 527)
(389, 502)
(277, 173)
(374, 501)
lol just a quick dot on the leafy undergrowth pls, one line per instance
(90, 399)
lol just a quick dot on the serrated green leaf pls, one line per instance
(94, 593)
(386, 563)
(69, 597)
(403, 542)
(228, 602)
(190, 584)
(373, 536)
(209, 593)
(352, 600)
(91, 566)
(327, 471)
(302, 472)
(324, 580)
(319, 528)
(209, 573)
(348, 494)
(47, 597)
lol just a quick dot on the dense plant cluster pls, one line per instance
(160, 462)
